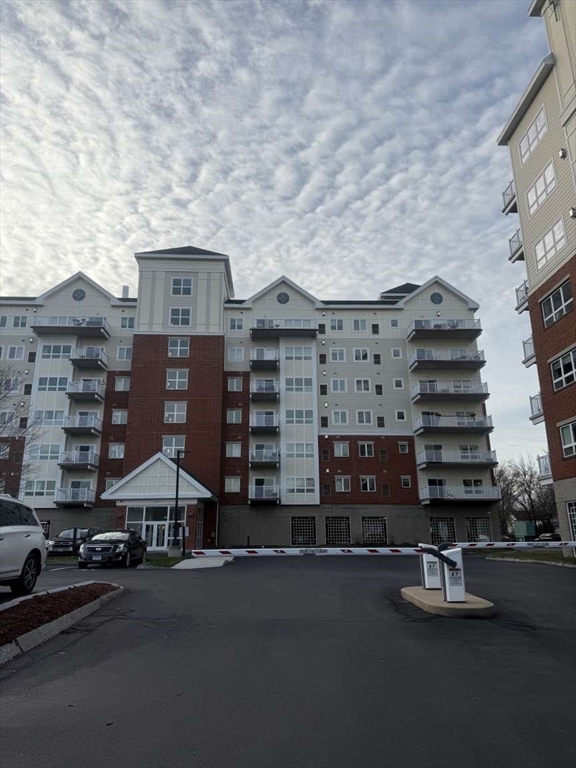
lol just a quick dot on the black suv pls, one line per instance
(68, 544)
(123, 548)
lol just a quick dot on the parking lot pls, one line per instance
(313, 662)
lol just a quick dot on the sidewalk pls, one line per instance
(203, 562)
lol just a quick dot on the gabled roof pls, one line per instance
(70, 280)
(540, 76)
(536, 8)
(186, 250)
(157, 478)
(291, 283)
(402, 290)
(471, 303)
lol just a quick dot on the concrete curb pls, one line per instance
(46, 632)
(538, 562)
(431, 600)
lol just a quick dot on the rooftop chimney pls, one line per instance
(125, 291)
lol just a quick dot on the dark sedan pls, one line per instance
(69, 541)
(124, 548)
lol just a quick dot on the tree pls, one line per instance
(17, 431)
(523, 496)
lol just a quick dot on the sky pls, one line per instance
(348, 145)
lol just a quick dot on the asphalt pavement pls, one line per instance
(306, 662)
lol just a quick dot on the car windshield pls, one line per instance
(81, 533)
(110, 535)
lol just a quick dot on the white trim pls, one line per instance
(537, 81)
(274, 284)
(445, 284)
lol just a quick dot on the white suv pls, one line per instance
(22, 546)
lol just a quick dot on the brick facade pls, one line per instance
(11, 467)
(111, 433)
(236, 433)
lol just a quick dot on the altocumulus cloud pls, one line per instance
(350, 145)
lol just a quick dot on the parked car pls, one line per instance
(64, 543)
(123, 548)
(549, 537)
(22, 546)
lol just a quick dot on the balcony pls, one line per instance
(264, 494)
(456, 459)
(522, 297)
(509, 199)
(438, 391)
(444, 329)
(87, 390)
(544, 470)
(529, 352)
(260, 458)
(441, 359)
(79, 460)
(89, 357)
(264, 328)
(71, 326)
(74, 497)
(264, 360)
(82, 425)
(264, 425)
(264, 391)
(458, 493)
(537, 416)
(516, 247)
(453, 425)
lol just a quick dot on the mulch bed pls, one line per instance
(37, 611)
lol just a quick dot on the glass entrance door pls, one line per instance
(156, 535)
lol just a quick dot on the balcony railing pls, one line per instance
(91, 421)
(453, 422)
(522, 296)
(456, 457)
(444, 325)
(515, 244)
(439, 388)
(263, 492)
(445, 356)
(285, 324)
(536, 406)
(74, 495)
(89, 356)
(82, 325)
(264, 421)
(264, 354)
(261, 389)
(529, 351)
(86, 387)
(79, 458)
(508, 195)
(460, 493)
(544, 468)
(263, 456)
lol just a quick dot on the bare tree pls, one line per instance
(523, 496)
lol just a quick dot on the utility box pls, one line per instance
(430, 570)
(453, 585)
(524, 530)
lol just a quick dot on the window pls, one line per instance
(563, 370)
(361, 354)
(396, 352)
(171, 444)
(127, 322)
(300, 416)
(178, 347)
(377, 359)
(476, 527)
(119, 417)
(299, 450)
(15, 353)
(31, 356)
(303, 531)
(393, 323)
(233, 416)
(11, 385)
(363, 417)
(338, 385)
(366, 450)
(400, 415)
(235, 354)
(231, 485)
(359, 325)
(122, 383)
(181, 286)
(300, 485)
(236, 323)
(362, 385)
(50, 418)
(378, 390)
(342, 484)
(180, 316)
(557, 304)
(234, 385)
(545, 184)
(52, 384)
(552, 242)
(124, 353)
(40, 488)
(298, 384)
(403, 448)
(383, 454)
(324, 422)
(337, 355)
(337, 531)
(381, 422)
(533, 135)
(4, 451)
(374, 531)
(568, 437)
(27, 389)
(321, 327)
(177, 378)
(233, 450)
(339, 418)
(442, 530)
(323, 389)
(3, 321)
(175, 413)
(322, 359)
(375, 329)
(325, 454)
(368, 484)
(341, 450)
(336, 324)
(468, 452)
(20, 321)
(398, 383)
(406, 481)
(115, 450)
(110, 481)
(56, 351)
(571, 513)
(298, 353)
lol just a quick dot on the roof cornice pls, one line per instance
(536, 8)
(526, 99)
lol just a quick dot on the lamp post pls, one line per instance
(176, 502)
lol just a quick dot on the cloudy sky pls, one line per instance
(349, 145)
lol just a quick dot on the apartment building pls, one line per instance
(299, 421)
(541, 136)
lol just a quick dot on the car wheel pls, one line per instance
(127, 561)
(82, 566)
(28, 578)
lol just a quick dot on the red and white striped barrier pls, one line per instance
(514, 544)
